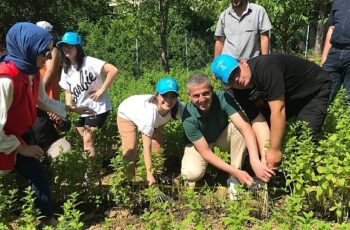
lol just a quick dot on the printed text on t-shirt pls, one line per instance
(85, 81)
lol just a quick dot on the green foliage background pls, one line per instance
(128, 34)
(317, 183)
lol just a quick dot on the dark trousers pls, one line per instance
(338, 67)
(33, 171)
(315, 110)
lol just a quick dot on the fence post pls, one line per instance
(137, 59)
(307, 39)
(186, 52)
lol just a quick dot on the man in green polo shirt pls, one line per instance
(206, 124)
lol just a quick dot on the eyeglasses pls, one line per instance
(46, 53)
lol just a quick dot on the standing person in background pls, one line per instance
(85, 80)
(242, 30)
(51, 71)
(336, 52)
(21, 90)
(46, 129)
(147, 114)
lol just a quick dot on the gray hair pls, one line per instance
(197, 79)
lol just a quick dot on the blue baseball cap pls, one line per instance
(222, 67)
(167, 84)
(70, 38)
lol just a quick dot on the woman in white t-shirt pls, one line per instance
(147, 114)
(85, 80)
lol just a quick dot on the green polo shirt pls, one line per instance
(212, 124)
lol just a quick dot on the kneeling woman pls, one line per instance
(147, 114)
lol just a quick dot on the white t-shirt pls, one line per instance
(144, 114)
(82, 83)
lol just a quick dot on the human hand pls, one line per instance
(261, 170)
(30, 151)
(55, 118)
(95, 95)
(83, 110)
(244, 178)
(273, 158)
(150, 179)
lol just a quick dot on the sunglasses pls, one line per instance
(46, 53)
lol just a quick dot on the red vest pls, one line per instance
(22, 112)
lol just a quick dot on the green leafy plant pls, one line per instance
(70, 219)
(239, 213)
(120, 181)
(194, 217)
(29, 215)
(7, 203)
(154, 217)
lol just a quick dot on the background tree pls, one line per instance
(138, 35)
(320, 14)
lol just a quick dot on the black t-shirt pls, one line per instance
(276, 75)
(43, 131)
(339, 17)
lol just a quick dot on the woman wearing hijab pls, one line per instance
(21, 90)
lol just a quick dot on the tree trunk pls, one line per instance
(320, 32)
(284, 41)
(163, 21)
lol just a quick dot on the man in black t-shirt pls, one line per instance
(280, 86)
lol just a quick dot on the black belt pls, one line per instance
(341, 46)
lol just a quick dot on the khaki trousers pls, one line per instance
(129, 134)
(58, 147)
(193, 165)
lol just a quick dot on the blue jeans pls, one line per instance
(338, 67)
(33, 171)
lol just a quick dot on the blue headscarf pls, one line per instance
(24, 41)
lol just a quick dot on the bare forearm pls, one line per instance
(69, 99)
(264, 43)
(111, 72)
(327, 45)
(148, 160)
(250, 140)
(262, 133)
(278, 123)
(219, 44)
(217, 162)
(147, 148)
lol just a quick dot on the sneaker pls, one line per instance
(190, 184)
(258, 184)
(232, 184)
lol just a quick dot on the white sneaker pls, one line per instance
(232, 184)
